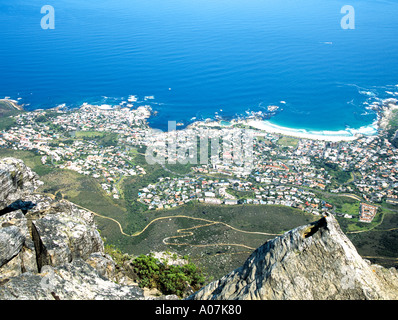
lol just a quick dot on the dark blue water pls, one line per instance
(198, 57)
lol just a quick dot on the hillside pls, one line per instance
(7, 110)
(51, 249)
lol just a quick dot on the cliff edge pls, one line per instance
(51, 249)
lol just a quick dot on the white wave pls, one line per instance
(325, 135)
(368, 93)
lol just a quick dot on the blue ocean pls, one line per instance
(200, 59)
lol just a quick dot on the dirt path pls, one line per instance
(185, 232)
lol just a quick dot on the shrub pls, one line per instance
(169, 279)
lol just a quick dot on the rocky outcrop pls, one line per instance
(11, 241)
(72, 281)
(51, 249)
(316, 261)
(16, 181)
(64, 236)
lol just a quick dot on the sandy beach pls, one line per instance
(267, 126)
(333, 136)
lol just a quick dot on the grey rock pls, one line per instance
(72, 281)
(27, 255)
(312, 262)
(16, 180)
(44, 242)
(17, 219)
(12, 268)
(11, 242)
(103, 264)
(61, 237)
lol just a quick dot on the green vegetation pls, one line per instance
(286, 141)
(351, 208)
(80, 189)
(30, 158)
(90, 134)
(117, 255)
(215, 247)
(105, 139)
(379, 244)
(393, 123)
(130, 186)
(241, 194)
(169, 279)
(393, 127)
(6, 123)
(346, 205)
(340, 176)
(7, 111)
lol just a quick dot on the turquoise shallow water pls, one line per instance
(205, 58)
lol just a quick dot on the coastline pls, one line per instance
(384, 111)
(13, 103)
(331, 136)
(387, 111)
(267, 126)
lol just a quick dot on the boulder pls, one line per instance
(16, 180)
(61, 237)
(25, 258)
(72, 281)
(11, 242)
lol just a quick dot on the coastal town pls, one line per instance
(103, 142)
